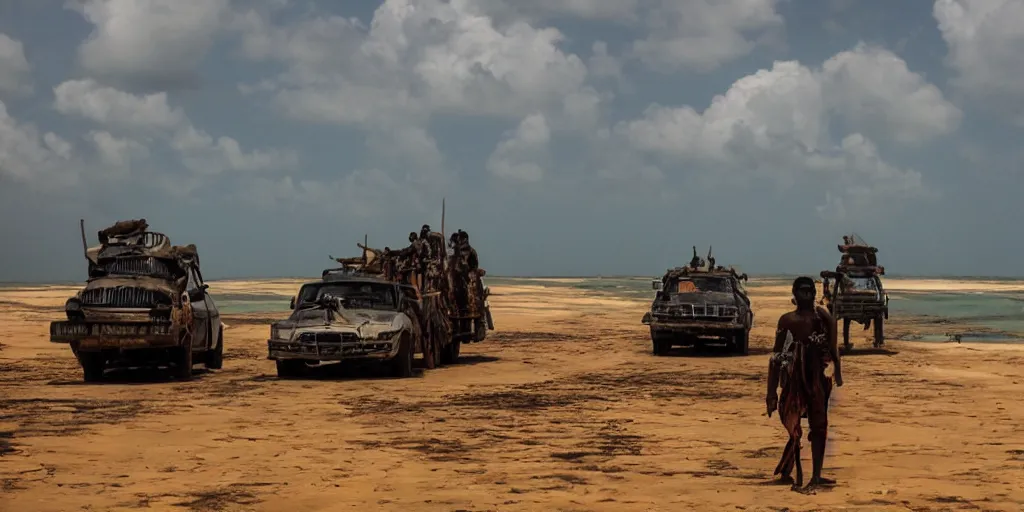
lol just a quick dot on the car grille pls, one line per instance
(124, 297)
(328, 337)
(146, 266)
(705, 312)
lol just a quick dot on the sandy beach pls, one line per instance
(562, 408)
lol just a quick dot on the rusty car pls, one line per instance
(699, 303)
(853, 292)
(144, 304)
(345, 317)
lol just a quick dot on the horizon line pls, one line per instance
(595, 276)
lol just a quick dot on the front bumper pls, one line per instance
(107, 335)
(860, 310)
(332, 350)
(694, 327)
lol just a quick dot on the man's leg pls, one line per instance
(817, 419)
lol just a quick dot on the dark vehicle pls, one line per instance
(144, 304)
(346, 317)
(854, 292)
(694, 304)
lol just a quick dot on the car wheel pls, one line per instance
(450, 353)
(93, 364)
(879, 332)
(742, 342)
(479, 330)
(402, 364)
(290, 368)
(215, 356)
(661, 345)
(183, 362)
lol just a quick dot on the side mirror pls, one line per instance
(291, 304)
(656, 285)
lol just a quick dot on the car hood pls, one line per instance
(703, 298)
(360, 320)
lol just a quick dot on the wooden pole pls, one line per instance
(85, 244)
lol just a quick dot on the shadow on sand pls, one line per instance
(870, 351)
(712, 350)
(371, 370)
(134, 375)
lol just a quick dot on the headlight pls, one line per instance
(73, 304)
(277, 333)
(386, 335)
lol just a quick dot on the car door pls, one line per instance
(214, 314)
(200, 312)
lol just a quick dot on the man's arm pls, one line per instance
(833, 347)
(771, 398)
(773, 367)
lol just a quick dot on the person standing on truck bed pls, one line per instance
(805, 343)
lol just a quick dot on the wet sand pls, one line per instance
(562, 408)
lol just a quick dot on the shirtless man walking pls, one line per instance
(805, 343)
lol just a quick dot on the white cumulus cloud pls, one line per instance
(15, 71)
(152, 44)
(986, 49)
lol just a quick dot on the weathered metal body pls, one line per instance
(854, 291)
(144, 303)
(694, 304)
(348, 316)
(452, 298)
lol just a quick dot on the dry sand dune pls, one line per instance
(562, 408)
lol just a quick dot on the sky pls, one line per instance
(567, 137)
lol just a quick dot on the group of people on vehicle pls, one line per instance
(427, 264)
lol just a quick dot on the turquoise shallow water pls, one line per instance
(984, 312)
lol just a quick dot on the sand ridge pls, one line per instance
(562, 408)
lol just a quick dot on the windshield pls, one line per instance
(861, 284)
(697, 284)
(358, 295)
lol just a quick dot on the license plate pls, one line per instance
(70, 329)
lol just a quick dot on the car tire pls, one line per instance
(93, 364)
(741, 342)
(662, 347)
(847, 345)
(290, 368)
(879, 332)
(402, 364)
(479, 330)
(661, 344)
(215, 356)
(183, 362)
(450, 353)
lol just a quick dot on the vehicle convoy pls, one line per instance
(699, 302)
(144, 304)
(345, 317)
(854, 292)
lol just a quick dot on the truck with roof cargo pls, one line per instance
(144, 304)
(853, 292)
